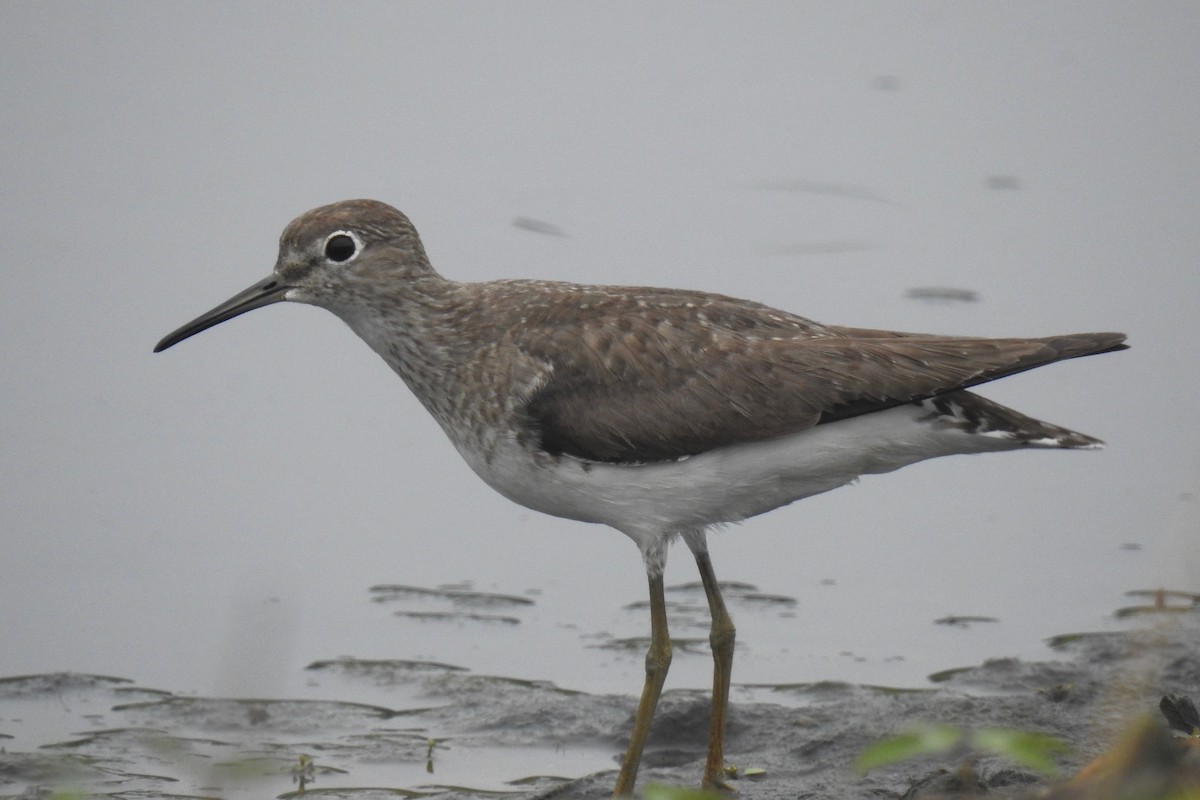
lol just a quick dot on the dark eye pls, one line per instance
(340, 247)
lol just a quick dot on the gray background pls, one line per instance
(209, 519)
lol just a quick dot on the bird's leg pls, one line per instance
(721, 639)
(658, 660)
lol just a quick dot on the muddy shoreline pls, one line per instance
(127, 741)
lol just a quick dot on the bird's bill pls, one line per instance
(263, 293)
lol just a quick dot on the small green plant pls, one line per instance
(657, 791)
(1033, 750)
(304, 771)
(734, 772)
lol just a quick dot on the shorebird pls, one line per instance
(658, 412)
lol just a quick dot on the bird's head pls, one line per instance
(335, 256)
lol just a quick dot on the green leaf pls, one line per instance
(916, 742)
(1027, 748)
(657, 791)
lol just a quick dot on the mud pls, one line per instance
(473, 736)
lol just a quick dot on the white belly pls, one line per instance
(651, 501)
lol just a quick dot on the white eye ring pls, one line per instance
(337, 251)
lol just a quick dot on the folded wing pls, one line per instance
(669, 386)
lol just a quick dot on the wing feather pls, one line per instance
(682, 373)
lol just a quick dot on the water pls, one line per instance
(209, 521)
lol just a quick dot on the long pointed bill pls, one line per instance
(263, 293)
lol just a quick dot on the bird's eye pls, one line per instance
(341, 246)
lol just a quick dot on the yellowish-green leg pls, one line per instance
(658, 660)
(721, 638)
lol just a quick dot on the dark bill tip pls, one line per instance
(263, 293)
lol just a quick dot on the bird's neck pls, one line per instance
(422, 334)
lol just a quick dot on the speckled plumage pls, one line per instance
(630, 374)
(659, 412)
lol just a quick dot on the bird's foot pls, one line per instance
(717, 782)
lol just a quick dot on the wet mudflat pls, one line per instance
(452, 733)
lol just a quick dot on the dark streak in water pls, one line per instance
(818, 187)
(537, 226)
(942, 294)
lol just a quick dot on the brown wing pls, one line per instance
(678, 374)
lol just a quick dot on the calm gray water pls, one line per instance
(210, 520)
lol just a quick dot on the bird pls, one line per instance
(662, 413)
